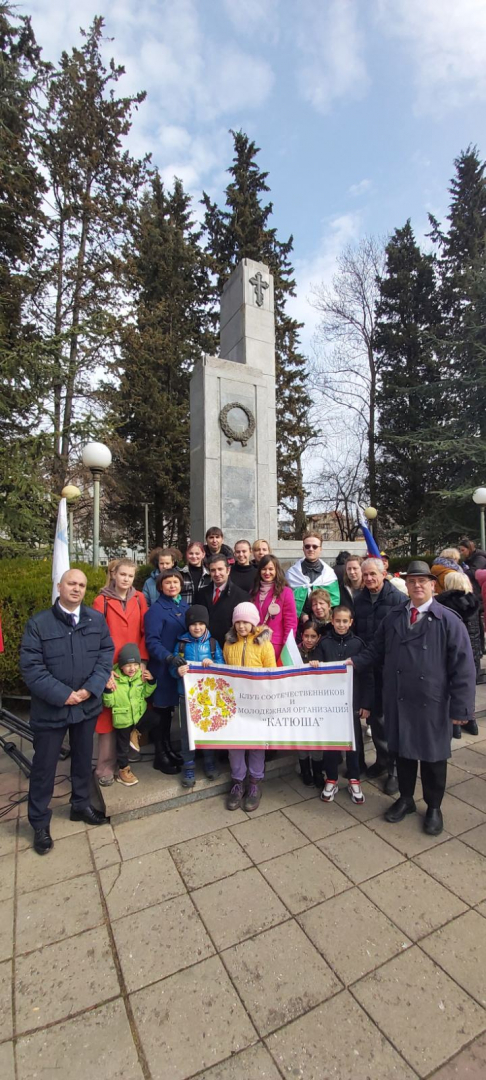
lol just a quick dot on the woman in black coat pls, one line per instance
(458, 596)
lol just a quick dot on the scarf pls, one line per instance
(111, 594)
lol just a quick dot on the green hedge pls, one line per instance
(25, 587)
(400, 562)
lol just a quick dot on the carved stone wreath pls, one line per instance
(231, 434)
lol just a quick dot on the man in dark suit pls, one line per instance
(66, 659)
(220, 598)
(429, 682)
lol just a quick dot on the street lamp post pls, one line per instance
(479, 497)
(97, 458)
(371, 515)
(71, 494)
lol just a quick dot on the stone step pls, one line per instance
(156, 792)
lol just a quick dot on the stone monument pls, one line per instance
(233, 433)
(233, 427)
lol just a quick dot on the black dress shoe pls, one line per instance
(89, 815)
(399, 810)
(433, 824)
(375, 770)
(456, 731)
(471, 727)
(43, 841)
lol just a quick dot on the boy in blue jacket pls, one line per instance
(196, 645)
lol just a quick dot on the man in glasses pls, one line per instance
(311, 573)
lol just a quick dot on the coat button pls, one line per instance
(399, 671)
(400, 699)
(421, 676)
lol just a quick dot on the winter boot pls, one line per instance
(163, 762)
(306, 771)
(253, 795)
(235, 797)
(125, 776)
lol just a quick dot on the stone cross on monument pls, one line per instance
(233, 435)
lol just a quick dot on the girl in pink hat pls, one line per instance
(247, 645)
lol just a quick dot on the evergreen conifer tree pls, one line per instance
(93, 187)
(168, 275)
(242, 231)
(23, 362)
(410, 408)
(461, 265)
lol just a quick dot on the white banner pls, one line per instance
(282, 708)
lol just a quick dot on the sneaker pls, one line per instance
(253, 795)
(105, 781)
(355, 792)
(135, 740)
(329, 790)
(188, 776)
(125, 776)
(211, 770)
(235, 797)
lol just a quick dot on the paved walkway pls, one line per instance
(306, 941)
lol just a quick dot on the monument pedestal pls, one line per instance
(233, 483)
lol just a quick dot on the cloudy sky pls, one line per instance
(359, 106)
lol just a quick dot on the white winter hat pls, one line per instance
(246, 613)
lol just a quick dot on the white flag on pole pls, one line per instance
(60, 558)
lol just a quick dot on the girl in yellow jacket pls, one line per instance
(247, 645)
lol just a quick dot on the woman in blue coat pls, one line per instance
(164, 623)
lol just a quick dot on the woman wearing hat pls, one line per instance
(429, 681)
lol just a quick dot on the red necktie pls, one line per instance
(413, 615)
(216, 596)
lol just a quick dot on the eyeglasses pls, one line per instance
(311, 547)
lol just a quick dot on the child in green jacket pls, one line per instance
(128, 703)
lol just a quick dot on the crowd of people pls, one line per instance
(117, 668)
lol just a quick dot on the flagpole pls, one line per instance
(60, 555)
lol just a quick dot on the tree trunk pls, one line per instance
(73, 348)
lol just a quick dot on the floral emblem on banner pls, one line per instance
(211, 703)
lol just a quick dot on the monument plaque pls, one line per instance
(233, 436)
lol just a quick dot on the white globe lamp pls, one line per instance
(97, 457)
(479, 497)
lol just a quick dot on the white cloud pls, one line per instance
(330, 44)
(258, 18)
(446, 42)
(319, 269)
(359, 189)
(193, 83)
